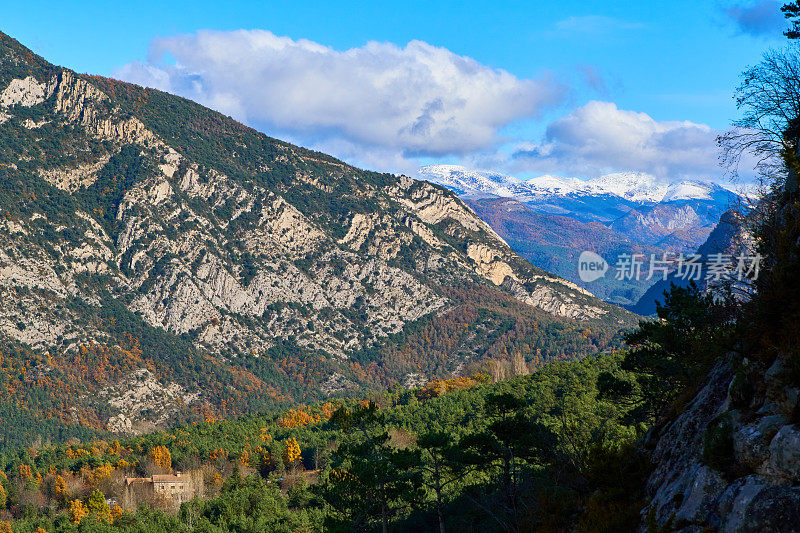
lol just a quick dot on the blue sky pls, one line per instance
(517, 85)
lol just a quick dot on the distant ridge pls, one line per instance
(632, 186)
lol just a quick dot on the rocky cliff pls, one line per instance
(731, 460)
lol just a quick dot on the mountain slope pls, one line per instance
(152, 248)
(730, 237)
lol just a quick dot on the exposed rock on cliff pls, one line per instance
(731, 460)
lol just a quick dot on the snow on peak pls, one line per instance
(469, 182)
(557, 184)
(688, 190)
(633, 186)
(636, 187)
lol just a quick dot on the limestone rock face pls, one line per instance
(751, 441)
(72, 179)
(784, 453)
(488, 264)
(25, 92)
(753, 504)
(140, 392)
(680, 486)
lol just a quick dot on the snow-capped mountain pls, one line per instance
(473, 183)
(634, 187)
(626, 212)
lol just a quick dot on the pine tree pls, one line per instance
(791, 11)
(96, 506)
(442, 466)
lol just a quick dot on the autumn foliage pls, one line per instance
(161, 457)
(302, 416)
(438, 387)
(77, 511)
(291, 452)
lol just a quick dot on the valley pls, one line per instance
(240, 291)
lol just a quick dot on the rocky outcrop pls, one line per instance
(26, 92)
(432, 205)
(557, 301)
(488, 264)
(81, 102)
(141, 403)
(731, 460)
(72, 179)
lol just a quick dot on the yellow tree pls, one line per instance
(60, 488)
(291, 452)
(244, 458)
(117, 512)
(77, 511)
(25, 472)
(161, 456)
(102, 472)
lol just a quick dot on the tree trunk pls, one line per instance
(384, 514)
(438, 476)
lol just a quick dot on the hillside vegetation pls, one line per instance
(536, 450)
(563, 448)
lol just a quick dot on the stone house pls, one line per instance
(171, 489)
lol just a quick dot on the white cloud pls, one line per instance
(379, 100)
(599, 138)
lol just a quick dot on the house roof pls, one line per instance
(157, 478)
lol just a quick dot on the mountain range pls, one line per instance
(634, 187)
(550, 220)
(160, 262)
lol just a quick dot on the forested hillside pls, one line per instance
(533, 451)
(565, 448)
(607, 443)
